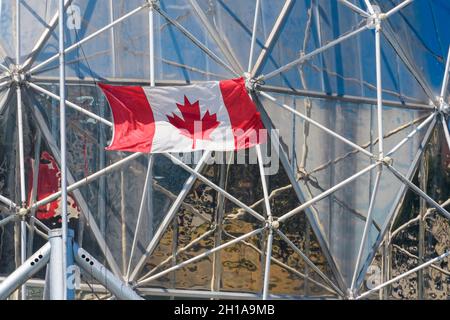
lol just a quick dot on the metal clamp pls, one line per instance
(374, 21)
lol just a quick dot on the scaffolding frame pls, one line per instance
(24, 76)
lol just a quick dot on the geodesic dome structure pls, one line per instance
(348, 201)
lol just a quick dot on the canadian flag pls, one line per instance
(214, 115)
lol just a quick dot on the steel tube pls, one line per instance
(212, 31)
(367, 226)
(354, 8)
(5, 68)
(99, 272)
(267, 265)
(50, 27)
(397, 203)
(253, 41)
(201, 256)
(185, 293)
(23, 196)
(418, 75)
(326, 193)
(91, 36)
(56, 267)
(395, 209)
(412, 133)
(6, 97)
(195, 41)
(18, 37)
(266, 280)
(71, 104)
(101, 164)
(397, 8)
(30, 267)
(369, 6)
(309, 262)
(314, 53)
(177, 253)
(7, 220)
(445, 128)
(346, 98)
(379, 88)
(263, 181)
(169, 216)
(4, 83)
(151, 46)
(40, 224)
(51, 142)
(113, 38)
(33, 195)
(414, 270)
(8, 202)
(411, 103)
(63, 153)
(148, 181)
(315, 123)
(272, 38)
(23, 252)
(418, 191)
(215, 187)
(445, 77)
(312, 217)
(206, 294)
(87, 180)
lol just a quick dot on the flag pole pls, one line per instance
(62, 115)
(147, 192)
(23, 196)
(151, 159)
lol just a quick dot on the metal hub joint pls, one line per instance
(387, 161)
(273, 224)
(22, 212)
(251, 83)
(153, 4)
(351, 294)
(374, 21)
(17, 75)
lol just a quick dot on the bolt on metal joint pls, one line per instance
(17, 75)
(351, 294)
(252, 83)
(374, 21)
(22, 212)
(388, 161)
(153, 4)
(272, 224)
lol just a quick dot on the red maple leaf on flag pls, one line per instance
(192, 125)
